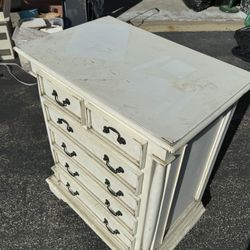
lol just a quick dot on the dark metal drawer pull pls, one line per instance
(66, 152)
(61, 121)
(71, 173)
(116, 171)
(72, 192)
(118, 193)
(118, 213)
(120, 139)
(110, 230)
(63, 103)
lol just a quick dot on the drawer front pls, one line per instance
(118, 134)
(110, 224)
(85, 179)
(61, 97)
(117, 165)
(105, 180)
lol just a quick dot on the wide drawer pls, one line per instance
(107, 200)
(62, 97)
(116, 164)
(118, 134)
(111, 225)
(108, 182)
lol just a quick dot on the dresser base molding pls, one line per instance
(183, 225)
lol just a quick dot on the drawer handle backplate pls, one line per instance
(120, 139)
(72, 192)
(116, 194)
(116, 171)
(117, 213)
(61, 121)
(64, 103)
(110, 230)
(71, 173)
(73, 153)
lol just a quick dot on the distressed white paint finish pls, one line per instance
(88, 199)
(58, 188)
(161, 96)
(100, 211)
(61, 95)
(157, 186)
(140, 75)
(128, 200)
(116, 204)
(133, 144)
(131, 174)
(224, 123)
(87, 181)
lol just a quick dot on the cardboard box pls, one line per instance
(57, 9)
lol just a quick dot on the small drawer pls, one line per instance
(64, 98)
(118, 134)
(106, 180)
(86, 180)
(118, 166)
(110, 224)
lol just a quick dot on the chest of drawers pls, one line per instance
(135, 123)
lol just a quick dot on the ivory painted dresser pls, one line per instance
(135, 123)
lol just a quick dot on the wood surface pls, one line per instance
(119, 66)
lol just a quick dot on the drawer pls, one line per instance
(118, 166)
(64, 98)
(100, 174)
(107, 200)
(110, 224)
(118, 134)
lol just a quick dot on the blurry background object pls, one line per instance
(230, 7)
(28, 13)
(6, 51)
(242, 37)
(75, 12)
(198, 5)
(245, 6)
(80, 11)
(42, 5)
(4, 9)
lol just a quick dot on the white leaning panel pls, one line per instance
(5, 6)
(6, 50)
